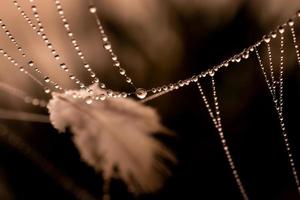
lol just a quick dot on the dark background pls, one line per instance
(38, 163)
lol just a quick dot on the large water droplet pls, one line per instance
(141, 93)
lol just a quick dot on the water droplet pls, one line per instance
(33, 8)
(122, 71)
(102, 85)
(109, 92)
(181, 83)
(72, 77)
(245, 55)
(90, 91)
(96, 80)
(104, 38)
(107, 46)
(86, 66)
(47, 79)
(281, 30)
(21, 69)
(267, 39)
(273, 34)
(291, 22)
(30, 63)
(141, 93)
(47, 90)
(63, 65)
(194, 78)
(116, 94)
(128, 80)
(124, 94)
(88, 100)
(102, 97)
(114, 57)
(92, 9)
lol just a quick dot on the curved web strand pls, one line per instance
(30, 62)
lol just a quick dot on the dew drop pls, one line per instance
(181, 83)
(72, 77)
(195, 78)
(267, 39)
(88, 100)
(47, 90)
(102, 97)
(109, 92)
(291, 22)
(107, 46)
(128, 80)
(102, 85)
(141, 93)
(63, 65)
(211, 72)
(122, 71)
(281, 30)
(30, 63)
(153, 90)
(273, 34)
(92, 9)
(47, 79)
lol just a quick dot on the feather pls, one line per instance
(115, 133)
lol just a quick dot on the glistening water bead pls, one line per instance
(88, 100)
(141, 93)
(93, 9)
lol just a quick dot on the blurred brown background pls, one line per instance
(158, 42)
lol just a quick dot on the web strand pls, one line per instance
(277, 97)
(216, 118)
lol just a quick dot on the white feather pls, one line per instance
(115, 133)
